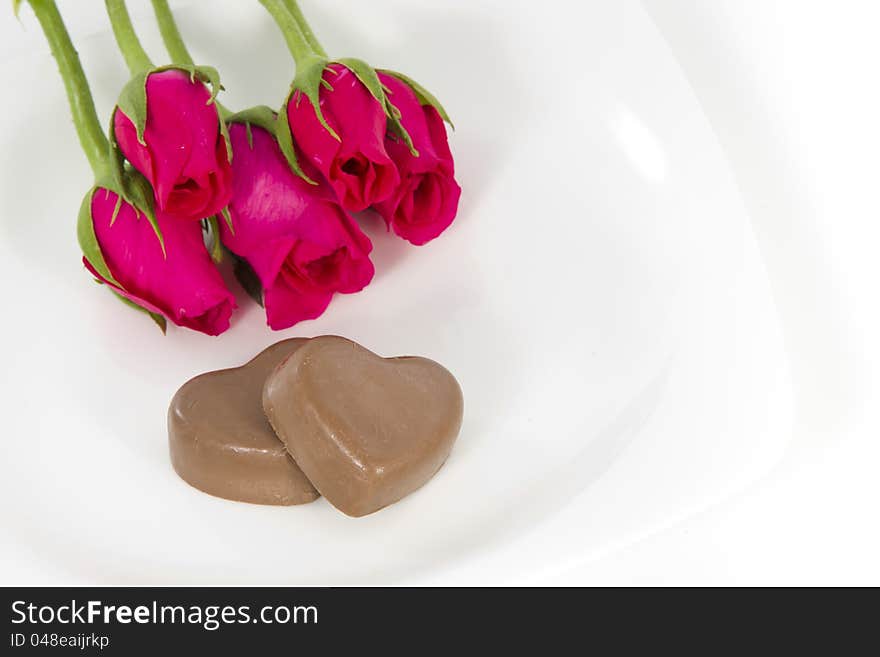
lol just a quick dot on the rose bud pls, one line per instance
(299, 242)
(425, 202)
(351, 155)
(153, 263)
(173, 278)
(337, 114)
(176, 140)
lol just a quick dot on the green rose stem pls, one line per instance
(88, 128)
(296, 40)
(175, 45)
(305, 28)
(135, 56)
(82, 107)
(170, 34)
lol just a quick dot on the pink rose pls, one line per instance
(425, 202)
(301, 244)
(184, 154)
(183, 284)
(357, 165)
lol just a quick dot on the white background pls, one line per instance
(791, 99)
(789, 88)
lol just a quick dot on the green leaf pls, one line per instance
(16, 7)
(285, 142)
(248, 279)
(425, 97)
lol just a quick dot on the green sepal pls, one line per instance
(140, 196)
(273, 122)
(133, 103)
(134, 190)
(206, 74)
(396, 127)
(366, 74)
(210, 76)
(227, 217)
(160, 320)
(91, 250)
(216, 246)
(16, 7)
(116, 160)
(129, 185)
(224, 132)
(308, 81)
(370, 79)
(424, 96)
(88, 241)
(260, 116)
(285, 142)
(248, 279)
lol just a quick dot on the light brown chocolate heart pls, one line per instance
(366, 430)
(221, 442)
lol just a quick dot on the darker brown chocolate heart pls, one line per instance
(365, 430)
(221, 442)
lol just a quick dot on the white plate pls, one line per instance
(600, 298)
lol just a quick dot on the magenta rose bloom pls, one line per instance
(425, 202)
(183, 153)
(183, 284)
(299, 242)
(357, 166)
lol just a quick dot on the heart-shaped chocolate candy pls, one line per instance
(221, 442)
(365, 430)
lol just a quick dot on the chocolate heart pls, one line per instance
(221, 442)
(365, 430)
